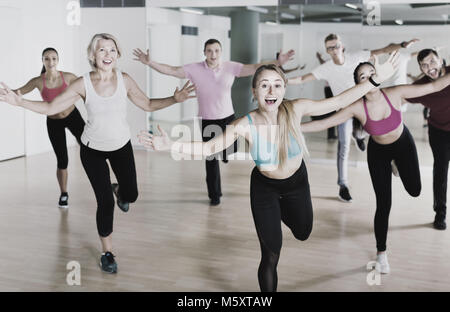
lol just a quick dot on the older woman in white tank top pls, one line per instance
(106, 134)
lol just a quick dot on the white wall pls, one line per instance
(12, 130)
(129, 27)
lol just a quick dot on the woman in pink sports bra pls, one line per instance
(390, 141)
(51, 83)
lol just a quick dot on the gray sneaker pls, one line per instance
(124, 206)
(107, 263)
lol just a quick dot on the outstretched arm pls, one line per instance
(393, 47)
(311, 107)
(218, 143)
(250, 69)
(63, 101)
(150, 105)
(418, 90)
(301, 79)
(144, 58)
(336, 119)
(28, 87)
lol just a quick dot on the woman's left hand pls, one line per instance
(160, 142)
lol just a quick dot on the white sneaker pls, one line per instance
(394, 168)
(382, 264)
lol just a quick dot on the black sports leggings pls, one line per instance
(379, 157)
(273, 201)
(97, 170)
(56, 129)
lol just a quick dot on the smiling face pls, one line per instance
(213, 52)
(106, 54)
(431, 66)
(50, 60)
(269, 90)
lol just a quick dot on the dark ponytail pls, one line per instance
(43, 52)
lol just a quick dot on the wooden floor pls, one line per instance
(172, 240)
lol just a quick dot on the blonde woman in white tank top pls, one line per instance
(106, 134)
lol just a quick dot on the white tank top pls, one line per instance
(106, 127)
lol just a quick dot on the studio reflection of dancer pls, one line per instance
(338, 72)
(279, 187)
(213, 79)
(50, 84)
(106, 135)
(379, 111)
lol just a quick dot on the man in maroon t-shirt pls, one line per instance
(432, 67)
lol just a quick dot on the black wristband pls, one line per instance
(403, 44)
(373, 82)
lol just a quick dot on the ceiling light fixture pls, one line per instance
(257, 9)
(193, 11)
(287, 16)
(351, 6)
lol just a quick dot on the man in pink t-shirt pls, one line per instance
(213, 80)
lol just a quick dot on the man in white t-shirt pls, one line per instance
(339, 73)
(401, 74)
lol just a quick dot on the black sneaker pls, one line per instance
(63, 200)
(225, 161)
(214, 201)
(439, 222)
(107, 263)
(124, 206)
(344, 194)
(360, 144)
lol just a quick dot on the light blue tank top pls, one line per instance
(265, 153)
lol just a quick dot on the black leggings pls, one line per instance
(97, 170)
(209, 131)
(273, 201)
(379, 157)
(56, 129)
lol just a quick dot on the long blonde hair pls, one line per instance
(287, 119)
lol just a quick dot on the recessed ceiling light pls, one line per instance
(351, 6)
(257, 9)
(272, 23)
(194, 11)
(287, 16)
(399, 22)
